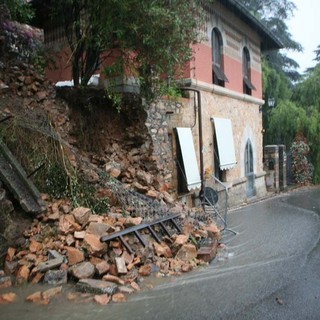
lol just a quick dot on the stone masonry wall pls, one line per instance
(246, 124)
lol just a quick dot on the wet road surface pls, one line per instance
(271, 270)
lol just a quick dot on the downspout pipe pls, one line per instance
(200, 133)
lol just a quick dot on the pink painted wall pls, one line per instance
(199, 68)
(202, 63)
(256, 79)
(60, 68)
(202, 70)
(233, 71)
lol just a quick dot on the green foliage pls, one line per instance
(307, 96)
(317, 52)
(17, 10)
(21, 42)
(151, 37)
(61, 184)
(301, 115)
(285, 120)
(57, 176)
(313, 136)
(274, 13)
(281, 9)
(307, 93)
(275, 83)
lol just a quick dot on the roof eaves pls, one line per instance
(269, 40)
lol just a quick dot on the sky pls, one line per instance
(305, 29)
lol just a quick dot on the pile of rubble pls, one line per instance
(123, 148)
(63, 245)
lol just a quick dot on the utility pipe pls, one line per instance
(200, 134)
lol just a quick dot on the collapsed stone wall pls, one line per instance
(130, 142)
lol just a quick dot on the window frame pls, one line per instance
(246, 72)
(218, 76)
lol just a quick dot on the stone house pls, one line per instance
(226, 75)
(216, 129)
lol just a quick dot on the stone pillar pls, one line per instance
(282, 168)
(271, 166)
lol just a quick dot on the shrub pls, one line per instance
(301, 167)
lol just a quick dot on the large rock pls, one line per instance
(102, 267)
(91, 176)
(94, 245)
(81, 215)
(113, 168)
(68, 224)
(144, 177)
(99, 229)
(96, 286)
(10, 267)
(119, 297)
(162, 250)
(50, 293)
(22, 275)
(79, 235)
(70, 240)
(126, 289)
(213, 231)
(121, 265)
(83, 270)
(132, 221)
(102, 299)
(139, 187)
(74, 255)
(50, 264)
(145, 270)
(8, 297)
(180, 240)
(111, 278)
(5, 282)
(10, 254)
(56, 277)
(37, 297)
(35, 246)
(187, 252)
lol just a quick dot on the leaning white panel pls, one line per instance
(224, 134)
(189, 158)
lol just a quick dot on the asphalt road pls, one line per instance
(271, 270)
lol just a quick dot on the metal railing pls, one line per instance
(219, 206)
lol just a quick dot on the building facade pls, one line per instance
(226, 123)
(214, 134)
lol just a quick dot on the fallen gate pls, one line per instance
(15, 178)
(149, 226)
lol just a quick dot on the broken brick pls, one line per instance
(102, 299)
(7, 297)
(145, 270)
(111, 278)
(121, 265)
(119, 297)
(74, 255)
(10, 254)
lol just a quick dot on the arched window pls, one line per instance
(218, 76)
(247, 84)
